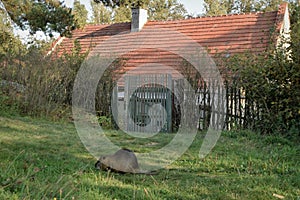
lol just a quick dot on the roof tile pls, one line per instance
(235, 33)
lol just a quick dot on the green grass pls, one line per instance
(46, 160)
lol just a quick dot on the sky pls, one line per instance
(193, 7)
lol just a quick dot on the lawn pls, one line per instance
(46, 160)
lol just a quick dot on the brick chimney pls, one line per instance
(139, 19)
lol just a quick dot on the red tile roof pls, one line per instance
(232, 34)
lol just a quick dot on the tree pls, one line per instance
(158, 9)
(101, 14)
(43, 15)
(267, 5)
(166, 10)
(215, 7)
(9, 43)
(122, 8)
(124, 3)
(80, 13)
(221, 7)
(122, 14)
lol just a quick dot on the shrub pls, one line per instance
(48, 83)
(272, 83)
(105, 122)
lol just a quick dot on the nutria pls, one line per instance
(123, 161)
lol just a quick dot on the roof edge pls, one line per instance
(214, 16)
(282, 20)
(57, 42)
(105, 24)
(282, 11)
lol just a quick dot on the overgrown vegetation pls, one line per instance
(42, 159)
(46, 160)
(37, 84)
(271, 83)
